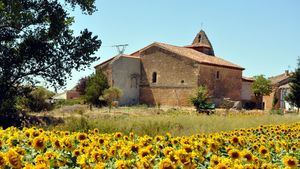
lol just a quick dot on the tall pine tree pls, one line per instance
(294, 95)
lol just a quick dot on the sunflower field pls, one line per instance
(272, 146)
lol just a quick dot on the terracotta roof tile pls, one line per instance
(197, 56)
(250, 79)
(111, 59)
(279, 78)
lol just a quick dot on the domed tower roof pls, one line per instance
(202, 44)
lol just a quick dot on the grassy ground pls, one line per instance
(153, 121)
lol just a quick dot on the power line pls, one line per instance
(120, 48)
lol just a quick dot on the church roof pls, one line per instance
(195, 55)
(116, 57)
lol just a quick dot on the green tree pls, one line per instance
(36, 42)
(38, 99)
(96, 84)
(294, 95)
(201, 99)
(261, 87)
(81, 85)
(111, 95)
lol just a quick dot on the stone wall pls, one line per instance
(228, 84)
(125, 76)
(72, 94)
(176, 78)
(165, 96)
(107, 71)
(246, 94)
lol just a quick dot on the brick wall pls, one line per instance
(176, 78)
(107, 71)
(72, 94)
(165, 96)
(227, 85)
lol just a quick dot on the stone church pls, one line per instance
(164, 74)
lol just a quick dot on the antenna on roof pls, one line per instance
(121, 48)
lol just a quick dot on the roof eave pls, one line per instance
(225, 66)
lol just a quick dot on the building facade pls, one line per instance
(165, 74)
(280, 89)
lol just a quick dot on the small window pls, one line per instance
(154, 77)
(182, 81)
(218, 75)
(134, 82)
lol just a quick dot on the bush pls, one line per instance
(277, 111)
(112, 95)
(82, 85)
(96, 85)
(60, 103)
(37, 100)
(201, 99)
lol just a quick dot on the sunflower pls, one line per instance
(263, 150)
(234, 154)
(76, 153)
(118, 135)
(39, 159)
(41, 166)
(144, 152)
(221, 166)
(50, 155)
(96, 131)
(56, 144)
(121, 164)
(144, 163)
(101, 140)
(131, 134)
(214, 160)
(2, 160)
(67, 143)
(166, 164)
(167, 150)
(235, 140)
(39, 143)
(290, 161)
(81, 136)
(247, 155)
(14, 159)
(134, 148)
(100, 165)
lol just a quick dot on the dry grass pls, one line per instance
(154, 121)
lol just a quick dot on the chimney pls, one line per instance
(286, 72)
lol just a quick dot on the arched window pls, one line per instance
(154, 77)
(218, 75)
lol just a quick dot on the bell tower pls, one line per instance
(202, 44)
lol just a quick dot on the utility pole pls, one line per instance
(120, 48)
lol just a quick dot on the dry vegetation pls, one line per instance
(153, 121)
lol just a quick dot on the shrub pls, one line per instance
(71, 102)
(112, 95)
(261, 87)
(82, 85)
(201, 99)
(39, 99)
(96, 84)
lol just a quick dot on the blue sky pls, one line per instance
(261, 36)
